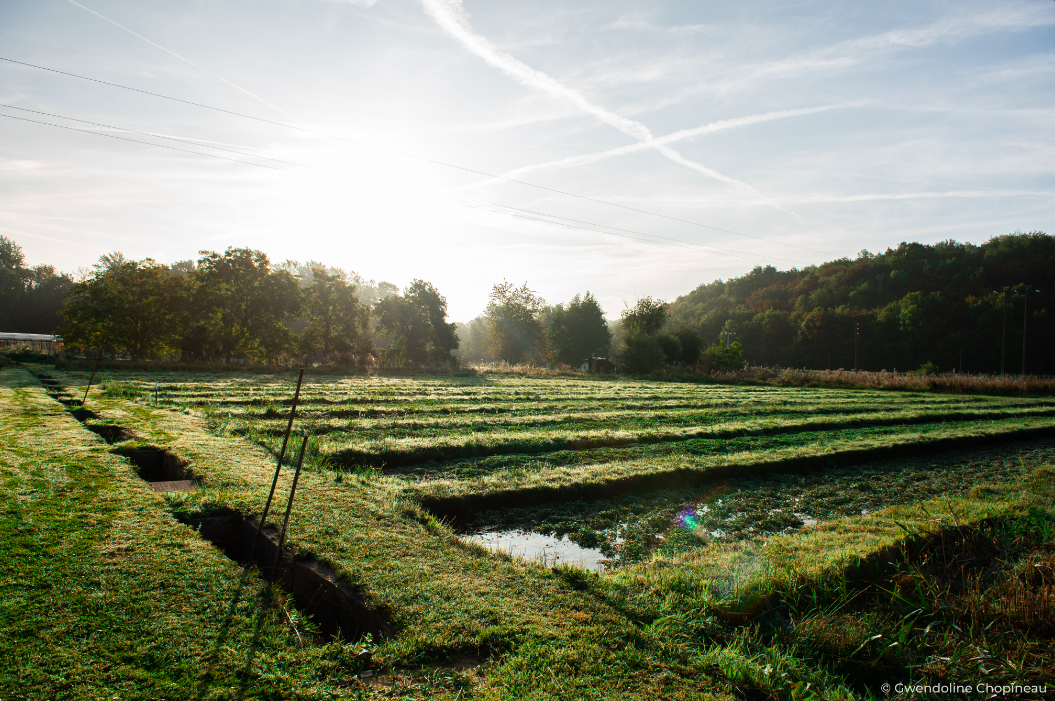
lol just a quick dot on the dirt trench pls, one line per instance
(336, 608)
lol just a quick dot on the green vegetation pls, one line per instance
(30, 298)
(238, 306)
(516, 328)
(578, 331)
(761, 541)
(942, 304)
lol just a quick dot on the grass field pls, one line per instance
(761, 540)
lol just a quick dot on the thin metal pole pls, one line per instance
(278, 467)
(1003, 339)
(1025, 318)
(92, 379)
(289, 504)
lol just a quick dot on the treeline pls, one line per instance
(932, 307)
(518, 327)
(914, 306)
(238, 306)
(30, 298)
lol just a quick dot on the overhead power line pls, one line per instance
(416, 157)
(156, 136)
(680, 242)
(148, 143)
(664, 240)
(689, 246)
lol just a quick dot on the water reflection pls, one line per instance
(546, 549)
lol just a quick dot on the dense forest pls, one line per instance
(947, 306)
(911, 305)
(30, 298)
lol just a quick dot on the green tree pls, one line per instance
(131, 307)
(12, 282)
(718, 357)
(242, 303)
(648, 316)
(416, 324)
(640, 350)
(689, 342)
(578, 331)
(30, 298)
(472, 341)
(638, 353)
(336, 319)
(516, 331)
(671, 347)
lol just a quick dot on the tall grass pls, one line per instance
(957, 383)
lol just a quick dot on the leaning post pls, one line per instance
(92, 378)
(289, 505)
(278, 467)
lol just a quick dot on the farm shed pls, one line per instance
(597, 365)
(40, 341)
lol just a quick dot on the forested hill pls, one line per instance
(915, 304)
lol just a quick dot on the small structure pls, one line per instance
(602, 365)
(39, 341)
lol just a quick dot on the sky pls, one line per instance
(625, 148)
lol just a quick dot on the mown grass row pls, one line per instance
(420, 394)
(348, 447)
(462, 487)
(790, 615)
(407, 424)
(429, 426)
(530, 629)
(258, 390)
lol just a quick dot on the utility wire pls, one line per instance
(680, 244)
(158, 136)
(685, 244)
(137, 141)
(416, 157)
(664, 239)
(616, 228)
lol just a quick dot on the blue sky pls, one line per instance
(769, 132)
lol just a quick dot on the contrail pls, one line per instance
(450, 15)
(709, 128)
(182, 58)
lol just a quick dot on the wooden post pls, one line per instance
(278, 467)
(92, 379)
(289, 505)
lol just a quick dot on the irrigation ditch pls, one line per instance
(457, 508)
(337, 610)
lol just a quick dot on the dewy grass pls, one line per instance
(633, 526)
(681, 622)
(102, 594)
(444, 598)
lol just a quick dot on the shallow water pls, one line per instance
(547, 549)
